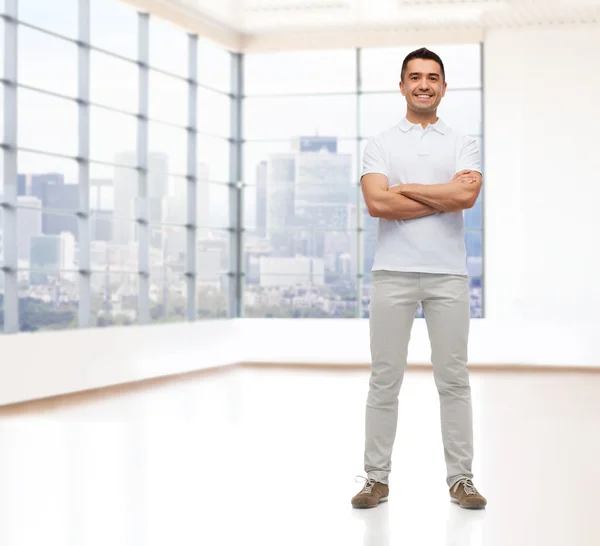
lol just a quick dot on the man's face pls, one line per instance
(423, 86)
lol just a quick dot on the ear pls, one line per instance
(444, 87)
(401, 85)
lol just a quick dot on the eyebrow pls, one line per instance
(419, 73)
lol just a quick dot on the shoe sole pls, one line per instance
(383, 499)
(467, 507)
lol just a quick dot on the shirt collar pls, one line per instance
(439, 126)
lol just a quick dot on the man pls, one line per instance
(417, 179)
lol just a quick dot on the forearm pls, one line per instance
(393, 206)
(443, 197)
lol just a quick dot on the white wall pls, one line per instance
(542, 183)
(50, 363)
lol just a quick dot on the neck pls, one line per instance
(424, 118)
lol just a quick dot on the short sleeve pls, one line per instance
(374, 159)
(469, 157)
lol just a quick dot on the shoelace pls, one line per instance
(468, 487)
(369, 483)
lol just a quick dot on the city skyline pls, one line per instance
(303, 218)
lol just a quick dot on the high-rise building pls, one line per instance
(315, 144)
(126, 195)
(281, 172)
(51, 190)
(126, 191)
(29, 224)
(102, 194)
(101, 208)
(261, 199)
(323, 189)
(203, 216)
(52, 253)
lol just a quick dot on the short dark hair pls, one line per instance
(422, 53)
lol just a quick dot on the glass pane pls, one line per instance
(48, 300)
(168, 149)
(1, 210)
(214, 66)
(168, 287)
(2, 40)
(474, 216)
(167, 249)
(113, 136)
(126, 192)
(379, 112)
(462, 111)
(1, 118)
(289, 117)
(168, 47)
(474, 243)
(47, 123)
(47, 62)
(288, 186)
(213, 158)
(51, 180)
(39, 231)
(168, 297)
(212, 255)
(369, 244)
(114, 27)
(60, 16)
(105, 252)
(113, 82)
(211, 296)
(259, 158)
(114, 298)
(168, 99)
(298, 295)
(381, 67)
(289, 72)
(1, 299)
(476, 297)
(114, 190)
(102, 188)
(333, 251)
(366, 291)
(214, 113)
(55, 247)
(212, 206)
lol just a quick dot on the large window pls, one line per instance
(149, 175)
(309, 243)
(97, 212)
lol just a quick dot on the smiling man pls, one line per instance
(417, 178)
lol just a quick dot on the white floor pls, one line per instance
(269, 457)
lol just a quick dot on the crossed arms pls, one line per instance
(408, 201)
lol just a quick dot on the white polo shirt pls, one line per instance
(409, 154)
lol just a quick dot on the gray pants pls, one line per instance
(394, 301)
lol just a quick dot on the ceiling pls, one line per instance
(248, 21)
